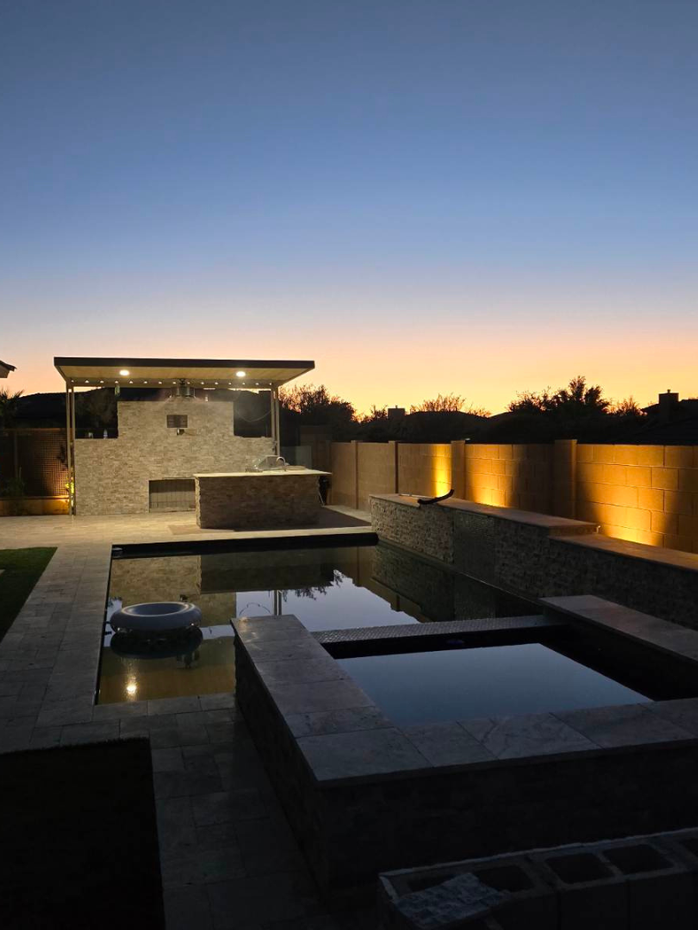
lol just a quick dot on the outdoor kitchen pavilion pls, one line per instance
(105, 462)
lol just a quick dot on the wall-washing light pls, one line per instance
(240, 374)
(125, 372)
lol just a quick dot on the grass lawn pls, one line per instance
(20, 569)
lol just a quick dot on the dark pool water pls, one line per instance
(454, 684)
(326, 588)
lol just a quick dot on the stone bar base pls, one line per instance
(252, 501)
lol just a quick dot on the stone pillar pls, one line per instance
(565, 478)
(458, 468)
(355, 451)
(393, 464)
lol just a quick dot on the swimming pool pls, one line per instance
(327, 588)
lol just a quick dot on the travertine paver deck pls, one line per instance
(129, 529)
(228, 857)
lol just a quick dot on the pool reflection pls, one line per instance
(326, 588)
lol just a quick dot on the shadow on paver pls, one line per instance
(79, 839)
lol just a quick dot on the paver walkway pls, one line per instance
(125, 529)
(228, 857)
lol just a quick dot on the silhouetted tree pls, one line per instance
(96, 409)
(577, 399)
(308, 405)
(578, 410)
(448, 403)
(9, 407)
(628, 408)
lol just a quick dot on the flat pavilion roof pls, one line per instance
(198, 372)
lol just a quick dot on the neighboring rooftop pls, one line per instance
(206, 372)
(5, 369)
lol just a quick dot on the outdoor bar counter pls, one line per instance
(258, 499)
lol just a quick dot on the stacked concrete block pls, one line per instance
(589, 892)
(526, 897)
(639, 883)
(660, 889)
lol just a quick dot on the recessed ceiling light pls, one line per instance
(240, 374)
(125, 372)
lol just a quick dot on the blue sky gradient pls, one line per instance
(477, 196)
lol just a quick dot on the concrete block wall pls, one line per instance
(645, 494)
(344, 468)
(377, 468)
(424, 468)
(360, 469)
(507, 475)
(112, 475)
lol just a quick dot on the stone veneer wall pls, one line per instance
(540, 556)
(257, 501)
(112, 475)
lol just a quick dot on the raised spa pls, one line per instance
(455, 683)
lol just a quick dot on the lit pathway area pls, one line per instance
(228, 857)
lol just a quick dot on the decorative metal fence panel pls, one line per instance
(38, 458)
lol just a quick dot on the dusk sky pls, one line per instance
(424, 196)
